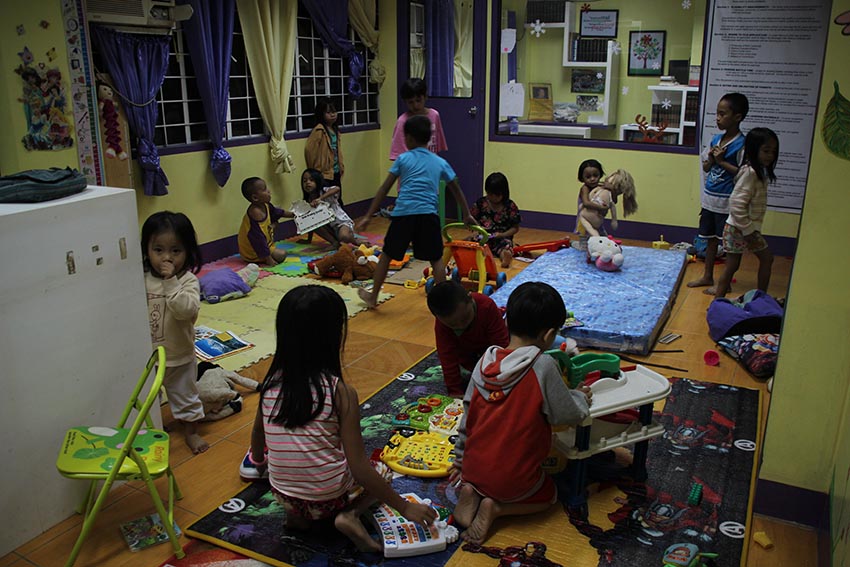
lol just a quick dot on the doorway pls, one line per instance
(460, 96)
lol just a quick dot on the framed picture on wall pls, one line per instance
(587, 81)
(599, 23)
(540, 104)
(646, 53)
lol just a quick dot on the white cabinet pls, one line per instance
(75, 338)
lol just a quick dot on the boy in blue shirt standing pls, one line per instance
(721, 161)
(415, 216)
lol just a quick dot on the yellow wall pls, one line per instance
(810, 391)
(13, 155)
(840, 494)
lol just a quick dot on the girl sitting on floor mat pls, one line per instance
(309, 420)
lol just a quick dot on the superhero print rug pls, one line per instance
(698, 488)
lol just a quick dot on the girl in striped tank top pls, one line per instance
(309, 422)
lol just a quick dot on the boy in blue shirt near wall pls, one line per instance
(415, 216)
(721, 161)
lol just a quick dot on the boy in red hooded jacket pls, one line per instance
(514, 397)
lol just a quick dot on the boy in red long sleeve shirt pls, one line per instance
(466, 325)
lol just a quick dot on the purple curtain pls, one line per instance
(440, 47)
(330, 18)
(209, 35)
(137, 64)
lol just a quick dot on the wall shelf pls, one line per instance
(676, 98)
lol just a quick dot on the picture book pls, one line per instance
(145, 532)
(212, 345)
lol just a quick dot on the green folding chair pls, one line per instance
(103, 453)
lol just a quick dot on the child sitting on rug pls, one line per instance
(256, 235)
(341, 229)
(310, 421)
(605, 197)
(499, 216)
(513, 400)
(465, 325)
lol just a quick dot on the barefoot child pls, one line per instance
(341, 228)
(256, 234)
(513, 399)
(604, 197)
(310, 421)
(171, 257)
(414, 218)
(747, 206)
(721, 161)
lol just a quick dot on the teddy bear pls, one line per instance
(217, 390)
(346, 263)
(605, 253)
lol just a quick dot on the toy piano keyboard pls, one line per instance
(419, 453)
(403, 538)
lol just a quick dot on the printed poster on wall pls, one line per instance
(772, 51)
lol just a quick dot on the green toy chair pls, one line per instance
(102, 453)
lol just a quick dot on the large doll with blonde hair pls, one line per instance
(619, 183)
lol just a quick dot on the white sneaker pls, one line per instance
(249, 472)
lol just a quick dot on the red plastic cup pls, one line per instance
(711, 357)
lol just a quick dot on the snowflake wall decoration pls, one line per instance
(537, 28)
(666, 104)
(656, 65)
(617, 48)
(599, 74)
(686, 4)
(625, 91)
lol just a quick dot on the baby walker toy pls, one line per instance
(473, 261)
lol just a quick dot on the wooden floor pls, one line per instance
(382, 344)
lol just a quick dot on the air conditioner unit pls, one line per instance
(137, 13)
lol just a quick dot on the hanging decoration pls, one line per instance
(836, 125)
(537, 28)
(44, 100)
(110, 120)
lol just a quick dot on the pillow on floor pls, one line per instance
(756, 352)
(221, 285)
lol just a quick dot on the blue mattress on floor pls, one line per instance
(621, 311)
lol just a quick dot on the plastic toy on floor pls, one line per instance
(548, 246)
(473, 261)
(419, 453)
(687, 555)
(436, 412)
(403, 538)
